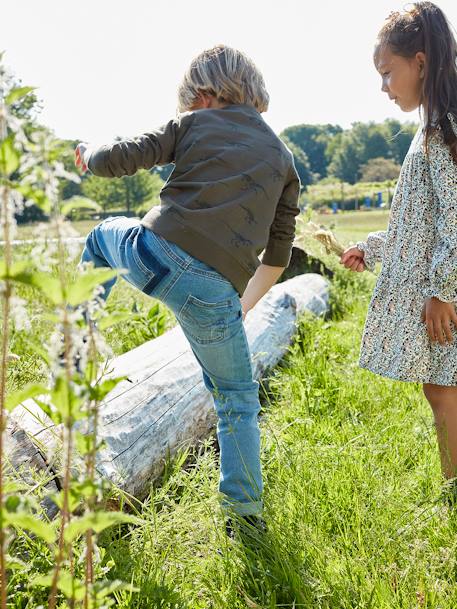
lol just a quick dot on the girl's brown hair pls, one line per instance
(424, 28)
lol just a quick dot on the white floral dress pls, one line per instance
(419, 260)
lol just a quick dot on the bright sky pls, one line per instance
(109, 67)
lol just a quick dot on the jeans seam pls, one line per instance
(177, 259)
(167, 289)
(209, 275)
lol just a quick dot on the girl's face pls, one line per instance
(402, 77)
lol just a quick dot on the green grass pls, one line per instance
(352, 489)
(352, 496)
(354, 226)
(83, 227)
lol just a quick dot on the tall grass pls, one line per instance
(352, 502)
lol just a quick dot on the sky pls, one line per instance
(107, 68)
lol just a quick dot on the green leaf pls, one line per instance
(12, 503)
(17, 397)
(18, 93)
(31, 523)
(111, 320)
(36, 195)
(100, 390)
(85, 489)
(54, 415)
(68, 584)
(65, 400)
(78, 202)
(17, 267)
(50, 286)
(106, 586)
(82, 289)
(97, 521)
(84, 443)
(75, 497)
(9, 156)
(12, 562)
(14, 486)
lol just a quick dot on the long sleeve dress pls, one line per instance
(418, 253)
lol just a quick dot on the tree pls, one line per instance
(139, 188)
(129, 192)
(399, 136)
(301, 162)
(356, 146)
(379, 170)
(313, 140)
(103, 191)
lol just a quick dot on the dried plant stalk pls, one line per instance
(326, 237)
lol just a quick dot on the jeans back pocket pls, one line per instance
(210, 322)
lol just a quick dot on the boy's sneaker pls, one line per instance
(246, 528)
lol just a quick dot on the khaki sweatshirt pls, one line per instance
(232, 194)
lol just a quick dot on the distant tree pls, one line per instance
(379, 170)
(104, 192)
(313, 141)
(398, 136)
(345, 161)
(137, 189)
(356, 146)
(129, 192)
(301, 162)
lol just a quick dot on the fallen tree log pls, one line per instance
(163, 405)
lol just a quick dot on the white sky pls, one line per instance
(111, 67)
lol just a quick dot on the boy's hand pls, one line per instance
(439, 318)
(79, 157)
(352, 259)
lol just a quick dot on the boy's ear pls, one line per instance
(204, 99)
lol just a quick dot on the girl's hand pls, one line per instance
(352, 259)
(79, 157)
(439, 318)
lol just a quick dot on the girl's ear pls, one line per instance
(421, 61)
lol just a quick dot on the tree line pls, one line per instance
(366, 152)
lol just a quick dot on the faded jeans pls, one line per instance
(208, 309)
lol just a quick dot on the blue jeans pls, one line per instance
(208, 308)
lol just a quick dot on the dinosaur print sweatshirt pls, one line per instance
(232, 194)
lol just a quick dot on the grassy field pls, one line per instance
(349, 225)
(352, 487)
(354, 226)
(352, 498)
(83, 227)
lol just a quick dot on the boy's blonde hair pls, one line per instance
(228, 75)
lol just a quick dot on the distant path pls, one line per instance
(42, 240)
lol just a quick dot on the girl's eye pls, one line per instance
(385, 74)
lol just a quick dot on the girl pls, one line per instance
(410, 332)
(233, 193)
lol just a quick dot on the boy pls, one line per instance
(232, 194)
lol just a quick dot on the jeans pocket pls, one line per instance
(148, 265)
(210, 322)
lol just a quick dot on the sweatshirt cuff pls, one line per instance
(87, 157)
(369, 261)
(277, 253)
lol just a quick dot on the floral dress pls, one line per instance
(418, 253)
